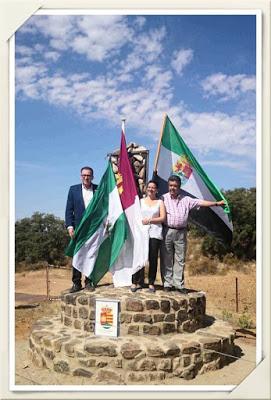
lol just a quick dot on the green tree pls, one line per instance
(243, 208)
(42, 237)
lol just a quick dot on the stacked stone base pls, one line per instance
(130, 359)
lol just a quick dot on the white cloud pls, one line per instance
(110, 93)
(180, 59)
(228, 86)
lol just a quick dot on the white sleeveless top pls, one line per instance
(154, 230)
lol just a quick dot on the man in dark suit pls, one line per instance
(79, 198)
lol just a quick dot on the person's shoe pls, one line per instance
(151, 289)
(75, 288)
(167, 289)
(183, 291)
(134, 288)
(89, 287)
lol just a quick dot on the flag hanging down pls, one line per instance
(175, 158)
(134, 254)
(102, 231)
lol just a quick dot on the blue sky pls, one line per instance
(77, 76)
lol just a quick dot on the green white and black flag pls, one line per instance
(174, 157)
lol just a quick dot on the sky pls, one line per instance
(77, 76)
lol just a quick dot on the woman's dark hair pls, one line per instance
(152, 181)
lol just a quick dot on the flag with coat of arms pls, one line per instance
(175, 158)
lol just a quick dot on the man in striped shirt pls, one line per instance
(173, 248)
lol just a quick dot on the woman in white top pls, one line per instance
(153, 215)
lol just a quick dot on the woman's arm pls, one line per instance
(157, 220)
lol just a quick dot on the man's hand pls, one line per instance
(220, 203)
(71, 232)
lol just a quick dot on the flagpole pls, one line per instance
(159, 144)
(123, 125)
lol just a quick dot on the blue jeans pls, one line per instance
(173, 251)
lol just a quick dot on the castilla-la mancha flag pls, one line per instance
(175, 158)
(134, 253)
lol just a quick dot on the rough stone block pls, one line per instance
(92, 301)
(170, 317)
(136, 377)
(49, 354)
(82, 372)
(134, 305)
(175, 305)
(178, 371)
(181, 315)
(143, 318)
(83, 300)
(146, 365)
(189, 372)
(168, 328)
(83, 312)
(185, 361)
(117, 362)
(175, 363)
(69, 347)
(125, 318)
(189, 326)
(68, 310)
(152, 305)
(79, 354)
(190, 348)
(183, 303)
(165, 365)
(101, 349)
(156, 376)
(133, 330)
(129, 350)
(158, 317)
(171, 349)
(165, 306)
(90, 362)
(38, 335)
(210, 343)
(92, 315)
(67, 321)
(37, 360)
(151, 330)
(75, 312)
(57, 344)
(197, 359)
(211, 366)
(208, 356)
(88, 326)
(70, 298)
(155, 351)
(109, 376)
(62, 366)
(192, 302)
(101, 364)
(77, 324)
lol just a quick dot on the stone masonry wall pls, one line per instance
(140, 314)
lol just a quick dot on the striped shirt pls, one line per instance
(177, 210)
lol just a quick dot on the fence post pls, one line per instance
(47, 282)
(236, 294)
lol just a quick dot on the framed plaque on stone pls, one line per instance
(107, 317)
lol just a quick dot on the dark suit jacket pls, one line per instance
(75, 205)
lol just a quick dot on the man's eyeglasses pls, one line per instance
(86, 176)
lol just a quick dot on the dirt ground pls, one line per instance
(32, 303)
